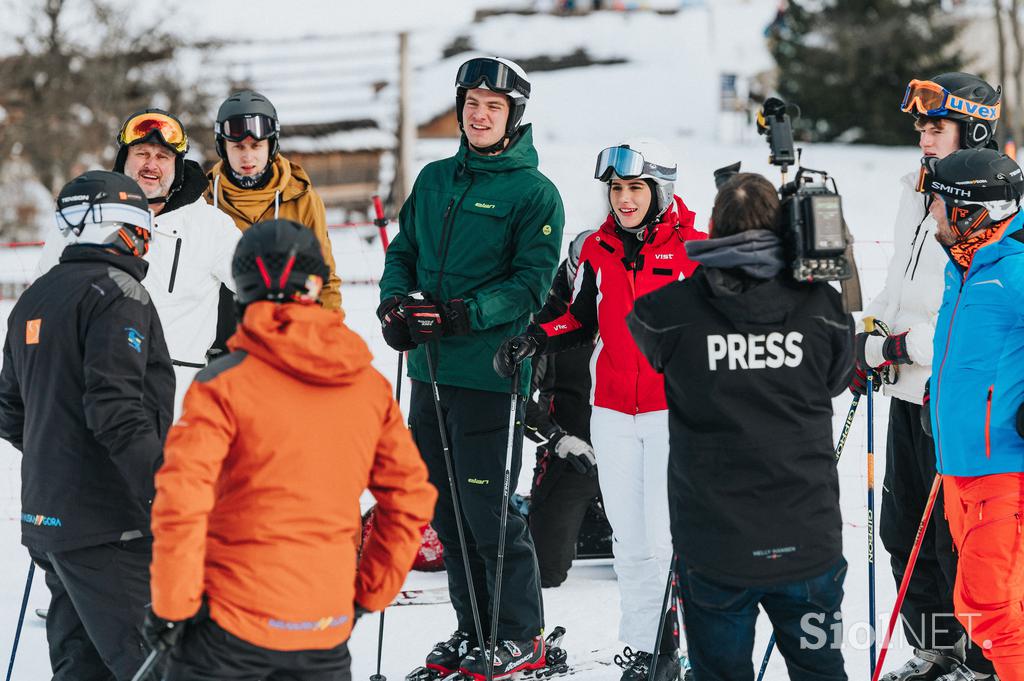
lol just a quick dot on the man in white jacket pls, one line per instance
(909, 305)
(191, 245)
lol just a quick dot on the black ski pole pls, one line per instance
(150, 663)
(21, 616)
(503, 523)
(661, 619)
(455, 497)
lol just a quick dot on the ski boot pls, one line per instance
(510, 657)
(926, 665)
(444, 660)
(962, 673)
(636, 665)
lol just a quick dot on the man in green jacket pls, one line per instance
(479, 243)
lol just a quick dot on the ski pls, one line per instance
(430, 596)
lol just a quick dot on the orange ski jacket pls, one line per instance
(257, 503)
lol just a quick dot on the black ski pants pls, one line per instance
(559, 501)
(98, 599)
(476, 422)
(927, 612)
(209, 653)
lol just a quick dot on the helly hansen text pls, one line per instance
(755, 351)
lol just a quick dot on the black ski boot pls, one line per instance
(636, 665)
(444, 660)
(509, 657)
(926, 665)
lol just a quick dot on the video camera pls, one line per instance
(811, 214)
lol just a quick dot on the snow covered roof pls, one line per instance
(356, 135)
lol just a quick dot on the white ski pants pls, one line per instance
(632, 465)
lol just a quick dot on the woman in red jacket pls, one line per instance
(639, 248)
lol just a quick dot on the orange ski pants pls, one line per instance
(985, 515)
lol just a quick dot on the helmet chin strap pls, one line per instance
(497, 146)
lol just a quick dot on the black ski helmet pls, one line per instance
(278, 260)
(240, 105)
(500, 75)
(153, 136)
(105, 208)
(975, 133)
(980, 187)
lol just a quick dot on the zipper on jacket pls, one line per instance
(448, 227)
(174, 265)
(988, 423)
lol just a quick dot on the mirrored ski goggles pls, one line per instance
(143, 126)
(627, 164)
(256, 126)
(931, 99)
(75, 218)
(497, 76)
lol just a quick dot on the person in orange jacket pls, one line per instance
(256, 520)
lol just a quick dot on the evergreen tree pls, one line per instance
(846, 63)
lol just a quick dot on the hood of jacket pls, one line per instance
(288, 181)
(519, 154)
(135, 266)
(757, 253)
(751, 304)
(305, 341)
(677, 215)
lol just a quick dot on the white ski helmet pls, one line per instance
(105, 208)
(642, 158)
(496, 74)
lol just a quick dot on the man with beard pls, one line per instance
(192, 242)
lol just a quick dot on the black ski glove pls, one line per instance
(162, 634)
(926, 413)
(859, 381)
(576, 451)
(428, 320)
(393, 324)
(514, 350)
(894, 349)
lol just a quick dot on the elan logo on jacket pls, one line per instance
(755, 351)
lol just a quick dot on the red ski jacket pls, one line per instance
(611, 276)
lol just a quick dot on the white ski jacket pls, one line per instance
(189, 258)
(913, 292)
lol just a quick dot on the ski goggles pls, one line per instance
(931, 99)
(498, 77)
(149, 124)
(628, 164)
(256, 126)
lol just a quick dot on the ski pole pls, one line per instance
(381, 222)
(447, 452)
(661, 619)
(839, 452)
(503, 523)
(150, 663)
(905, 582)
(871, 516)
(21, 616)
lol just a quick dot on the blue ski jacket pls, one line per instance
(977, 383)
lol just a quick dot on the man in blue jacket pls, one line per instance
(977, 395)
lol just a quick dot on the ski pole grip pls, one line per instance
(869, 324)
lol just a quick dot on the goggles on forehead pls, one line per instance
(498, 77)
(146, 125)
(257, 126)
(628, 164)
(931, 99)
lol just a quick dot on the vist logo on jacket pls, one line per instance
(755, 351)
